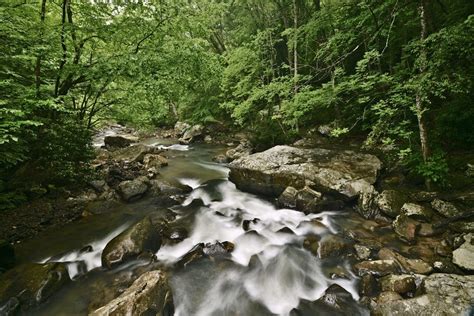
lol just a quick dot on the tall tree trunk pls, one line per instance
(38, 58)
(63, 46)
(420, 95)
(295, 45)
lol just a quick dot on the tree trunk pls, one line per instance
(420, 95)
(295, 45)
(38, 58)
(63, 46)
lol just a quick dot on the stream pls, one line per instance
(269, 272)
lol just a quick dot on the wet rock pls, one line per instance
(99, 185)
(148, 295)
(288, 198)
(7, 255)
(416, 211)
(307, 199)
(135, 153)
(30, 284)
(401, 284)
(333, 246)
(362, 252)
(390, 202)
(311, 243)
(377, 267)
(368, 285)
(10, 307)
(136, 239)
(446, 209)
(367, 206)
(175, 234)
(154, 161)
(270, 172)
(417, 266)
(444, 265)
(389, 296)
(464, 255)
(180, 128)
(406, 228)
(244, 149)
(339, 300)
(192, 134)
(444, 294)
(195, 253)
(119, 141)
(133, 190)
(221, 159)
(216, 249)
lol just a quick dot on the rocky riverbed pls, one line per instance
(298, 230)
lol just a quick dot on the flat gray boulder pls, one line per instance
(270, 172)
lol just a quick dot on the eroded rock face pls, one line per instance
(30, 284)
(464, 255)
(270, 172)
(135, 240)
(445, 294)
(148, 295)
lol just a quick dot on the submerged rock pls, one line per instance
(444, 294)
(148, 295)
(136, 239)
(270, 172)
(464, 255)
(30, 284)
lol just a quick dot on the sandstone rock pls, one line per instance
(401, 284)
(192, 134)
(377, 267)
(417, 266)
(390, 202)
(30, 284)
(406, 228)
(132, 190)
(135, 240)
(272, 171)
(148, 295)
(446, 209)
(464, 255)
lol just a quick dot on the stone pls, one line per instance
(244, 149)
(307, 199)
(216, 249)
(444, 208)
(406, 228)
(427, 230)
(388, 296)
(401, 284)
(99, 185)
(150, 294)
(444, 294)
(132, 190)
(7, 255)
(208, 139)
(417, 266)
(416, 211)
(192, 255)
(333, 246)
(362, 252)
(390, 202)
(30, 284)
(366, 205)
(180, 128)
(462, 226)
(368, 285)
(221, 158)
(463, 257)
(343, 172)
(288, 198)
(377, 267)
(311, 243)
(136, 239)
(154, 161)
(119, 141)
(192, 134)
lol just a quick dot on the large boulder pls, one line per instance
(244, 149)
(416, 211)
(119, 141)
(132, 190)
(333, 246)
(180, 128)
(135, 153)
(390, 202)
(347, 173)
(446, 209)
(444, 294)
(134, 241)
(192, 134)
(464, 255)
(150, 294)
(30, 284)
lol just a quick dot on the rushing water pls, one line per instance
(268, 273)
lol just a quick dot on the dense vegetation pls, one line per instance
(398, 73)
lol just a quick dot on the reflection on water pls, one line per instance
(269, 272)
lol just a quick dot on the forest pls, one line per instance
(392, 79)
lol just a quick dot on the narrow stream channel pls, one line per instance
(269, 271)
